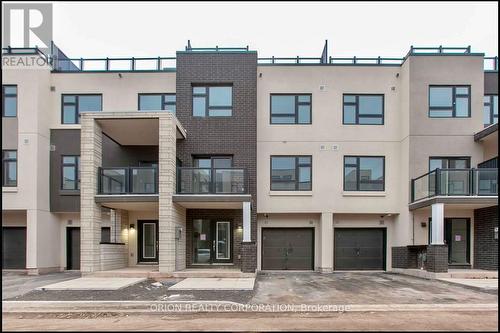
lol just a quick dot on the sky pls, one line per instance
(91, 29)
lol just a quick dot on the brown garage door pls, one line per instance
(288, 248)
(359, 249)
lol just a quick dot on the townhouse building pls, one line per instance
(216, 158)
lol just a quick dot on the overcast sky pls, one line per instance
(279, 29)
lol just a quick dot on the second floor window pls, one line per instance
(212, 101)
(9, 168)
(290, 109)
(70, 173)
(449, 163)
(363, 109)
(73, 105)
(490, 111)
(449, 101)
(364, 173)
(157, 102)
(291, 173)
(9, 101)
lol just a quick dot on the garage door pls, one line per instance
(13, 247)
(288, 248)
(359, 249)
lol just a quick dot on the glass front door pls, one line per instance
(211, 241)
(147, 244)
(457, 231)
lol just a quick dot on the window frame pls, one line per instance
(453, 98)
(206, 96)
(164, 102)
(296, 113)
(356, 105)
(448, 158)
(4, 95)
(297, 174)
(77, 173)
(491, 107)
(4, 169)
(77, 107)
(212, 159)
(358, 174)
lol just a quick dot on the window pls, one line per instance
(291, 173)
(219, 162)
(9, 167)
(290, 109)
(363, 109)
(70, 173)
(490, 111)
(364, 173)
(157, 102)
(449, 163)
(9, 98)
(214, 101)
(105, 234)
(449, 101)
(73, 105)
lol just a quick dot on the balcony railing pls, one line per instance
(211, 181)
(128, 180)
(455, 182)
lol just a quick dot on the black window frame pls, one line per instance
(490, 105)
(358, 173)
(454, 98)
(212, 159)
(295, 114)
(76, 104)
(164, 102)
(4, 95)
(6, 160)
(108, 233)
(77, 172)
(450, 158)
(206, 95)
(357, 114)
(297, 172)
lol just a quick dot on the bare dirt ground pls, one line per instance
(373, 321)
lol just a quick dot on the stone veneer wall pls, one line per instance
(180, 244)
(437, 258)
(113, 256)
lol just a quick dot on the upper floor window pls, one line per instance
(70, 172)
(449, 101)
(9, 167)
(9, 98)
(291, 173)
(449, 163)
(157, 102)
(365, 109)
(212, 101)
(290, 109)
(213, 162)
(490, 111)
(73, 105)
(364, 173)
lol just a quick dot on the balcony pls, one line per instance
(455, 183)
(211, 181)
(128, 180)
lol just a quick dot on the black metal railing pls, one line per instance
(128, 180)
(211, 181)
(455, 182)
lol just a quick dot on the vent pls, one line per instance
(52, 88)
(52, 147)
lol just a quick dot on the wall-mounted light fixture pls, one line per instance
(132, 227)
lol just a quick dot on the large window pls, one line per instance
(490, 111)
(366, 109)
(364, 173)
(212, 101)
(290, 109)
(9, 101)
(70, 173)
(73, 105)
(449, 163)
(157, 102)
(9, 167)
(291, 173)
(449, 101)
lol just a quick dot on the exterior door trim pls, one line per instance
(140, 242)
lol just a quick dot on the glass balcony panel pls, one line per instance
(486, 181)
(229, 181)
(454, 182)
(113, 181)
(144, 180)
(424, 187)
(208, 180)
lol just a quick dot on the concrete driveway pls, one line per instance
(17, 284)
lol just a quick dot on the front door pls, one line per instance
(212, 241)
(457, 237)
(73, 248)
(147, 242)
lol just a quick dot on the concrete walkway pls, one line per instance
(93, 283)
(15, 284)
(214, 284)
(482, 284)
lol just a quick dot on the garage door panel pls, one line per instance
(359, 249)
(13, 247)
(287, 248)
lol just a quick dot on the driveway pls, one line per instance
(17, 284)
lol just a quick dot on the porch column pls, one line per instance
(437, 224)
(247, 219)
(326, 236)
(90, 212)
